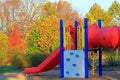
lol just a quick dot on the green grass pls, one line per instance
(7, 68)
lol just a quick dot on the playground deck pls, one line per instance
(54, 75)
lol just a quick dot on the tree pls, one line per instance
(32, 38)
(48, 9)
(12, 7)
(96, 12)
(33, 9)
(20, 14)
(25, 17)
(49, 34)
(61, 9)
(66, 12)
(16, 42)
(8, 11)
(3, 48)
(114, 11)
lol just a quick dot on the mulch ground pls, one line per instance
(54, 75)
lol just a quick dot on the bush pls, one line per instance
(37, 58)
(20, 60)
(111, 60)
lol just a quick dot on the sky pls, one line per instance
(83, 6)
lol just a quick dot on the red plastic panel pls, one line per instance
(103, 37)
(118, 27)
(93, 31)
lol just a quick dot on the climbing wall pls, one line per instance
(74, 64)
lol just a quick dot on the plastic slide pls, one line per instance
(49, 63)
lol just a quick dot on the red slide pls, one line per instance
(49, 63)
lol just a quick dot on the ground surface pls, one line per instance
(54, 75)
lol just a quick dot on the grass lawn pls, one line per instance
(7, 68)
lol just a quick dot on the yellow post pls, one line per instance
(69, 38)
(82, 37)
(64, 29)
(79, 41)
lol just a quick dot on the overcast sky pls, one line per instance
(83, 6)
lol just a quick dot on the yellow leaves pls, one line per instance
(96, 12)
(107, 19)
(49, 32)
(36, 10)
(48, 9)
(3, 48)
(3, 39)
(114, 8)
(114, 11)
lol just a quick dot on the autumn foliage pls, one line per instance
(96, 12)
(32, 39)
(16, 41)
(3, 48)
(28, 27)
(49, 34)
(44, 35)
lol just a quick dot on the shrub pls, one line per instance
(111, 60)
(20, 60)
(37, 58)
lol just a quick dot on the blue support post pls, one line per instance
(100, 52)
(76, 27)
(61, 50)
(86, 47)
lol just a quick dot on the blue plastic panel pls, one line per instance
(74, 64)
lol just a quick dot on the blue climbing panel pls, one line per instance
(74, 64)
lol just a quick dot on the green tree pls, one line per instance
(3, 48)
(32, 41)
(96, 12)
(32, 38)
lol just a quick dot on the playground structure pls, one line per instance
(78, 65)
(94, 38)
